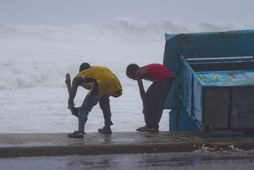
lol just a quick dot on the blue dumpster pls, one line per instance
(214, 89)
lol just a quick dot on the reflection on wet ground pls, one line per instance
(191, 160)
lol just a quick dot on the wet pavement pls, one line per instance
(58, 144)
(127, 150)
(198, 160)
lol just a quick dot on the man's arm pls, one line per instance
(74, 110)
(141, 88)
(73, 90)
(141, 73)
(68, 82)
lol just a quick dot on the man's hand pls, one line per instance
(141, 72)
(74, 111)
(67, 78)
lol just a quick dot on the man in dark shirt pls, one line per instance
(155, 96)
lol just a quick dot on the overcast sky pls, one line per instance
(82, 11)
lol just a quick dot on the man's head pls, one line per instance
(131, 71)
(84, 66)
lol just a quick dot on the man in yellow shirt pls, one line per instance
(102, 84)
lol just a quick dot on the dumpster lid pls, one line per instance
(206, 45)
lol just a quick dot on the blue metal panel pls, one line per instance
(181, 121)
(187, 88)
(197, 101)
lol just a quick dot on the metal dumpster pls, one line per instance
(219, 92)
(214, 89)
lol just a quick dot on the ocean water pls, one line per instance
(35, 58)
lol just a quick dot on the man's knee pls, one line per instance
(83, 112)
(88, 103)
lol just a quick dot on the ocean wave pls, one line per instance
(16, 77)
(114, 30)
(40, 55)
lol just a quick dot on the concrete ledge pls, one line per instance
(13, 145)
(93, 150)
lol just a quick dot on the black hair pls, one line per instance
(84, 66)
(131, 69)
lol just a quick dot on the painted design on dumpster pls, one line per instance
(226, 78)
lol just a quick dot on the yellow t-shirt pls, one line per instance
(108, 83)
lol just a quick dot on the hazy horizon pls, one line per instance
(65, 12)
